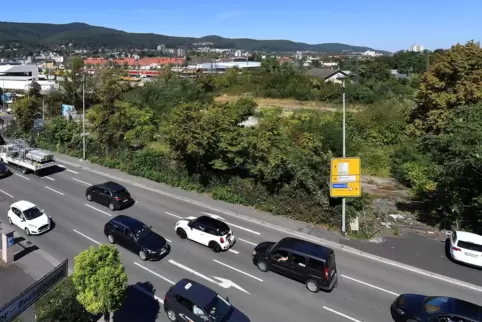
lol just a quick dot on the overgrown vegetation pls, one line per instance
(172, 131)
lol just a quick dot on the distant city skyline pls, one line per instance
(377, 24)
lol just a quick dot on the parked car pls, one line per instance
(4, 171)
(466, 248)
(109, 194)
(28, 217)
(309, 263)
(136, 237)
(191, 301)
(206, 231)
(421, 308)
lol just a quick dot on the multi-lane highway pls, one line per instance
(366, 286)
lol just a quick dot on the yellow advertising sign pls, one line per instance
(345, 178)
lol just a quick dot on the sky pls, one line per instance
(381, 24)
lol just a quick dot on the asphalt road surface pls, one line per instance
(366, 288)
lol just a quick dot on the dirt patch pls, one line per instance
(288, 104)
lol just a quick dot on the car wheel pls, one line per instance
(27, 231)
(89, 197)
(143, 255)
(262, 266)
(111, 206)
(24, 170)
(215, 247)
(171, 315)
(111, 239)
(312, 286)
(181, 233)
(10, 220)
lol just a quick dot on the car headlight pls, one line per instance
(254, 252)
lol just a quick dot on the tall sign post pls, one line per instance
(345, 181)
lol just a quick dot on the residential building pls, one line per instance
(299, 55)
(161, 48)
(417, 48)
(181, 52)
(238, 53)
(327, 75)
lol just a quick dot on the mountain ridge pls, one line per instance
(82, 34)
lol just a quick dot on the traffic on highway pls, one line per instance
(210, 266)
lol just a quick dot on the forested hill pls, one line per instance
(81, 34)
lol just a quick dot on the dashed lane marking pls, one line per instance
(85, 236)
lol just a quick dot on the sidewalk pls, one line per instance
(412, 249)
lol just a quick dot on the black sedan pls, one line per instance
(421, 308)
(135, 236)
(4, 171)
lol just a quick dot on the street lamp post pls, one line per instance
(343, 200)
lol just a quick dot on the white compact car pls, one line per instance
(28, 217)
(207, 231)
(466, 248)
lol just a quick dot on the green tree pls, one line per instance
(26, 110)
(34, 89)
(121, 125)
(100, 280)
(455, 79)
(53, 103)
(71, 83)
(60, 304)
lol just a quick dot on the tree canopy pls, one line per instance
(60, 304)
(100, 280)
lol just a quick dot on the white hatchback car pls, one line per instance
(466, 248)
(28, 217)
(207, 231)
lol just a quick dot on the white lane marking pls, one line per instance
(247, 242)
(190, 270)
(233, 251)
(91, 239)
(105, 213)
(288, 231)
(168, 213)
(154, 273)
(370, 285)
(243, 228)
(81, 181)
(238, 270)
(64, 167)
(227, 284)
(168, 240)
(157, 298)
(21, 176)
(341, 314)
(47, 177)
(6, 193)
(60, 193)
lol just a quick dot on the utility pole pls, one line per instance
(43, 110)
(83, 115)
(343, 201)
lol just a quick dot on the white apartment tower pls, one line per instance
(417, 48)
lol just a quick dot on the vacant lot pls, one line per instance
(288, 104)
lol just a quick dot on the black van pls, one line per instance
(300, 260)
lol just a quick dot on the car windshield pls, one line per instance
(142, 231)
(218, 308)
(32, 213)
(436, 304)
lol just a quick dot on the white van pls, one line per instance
(466, 248)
